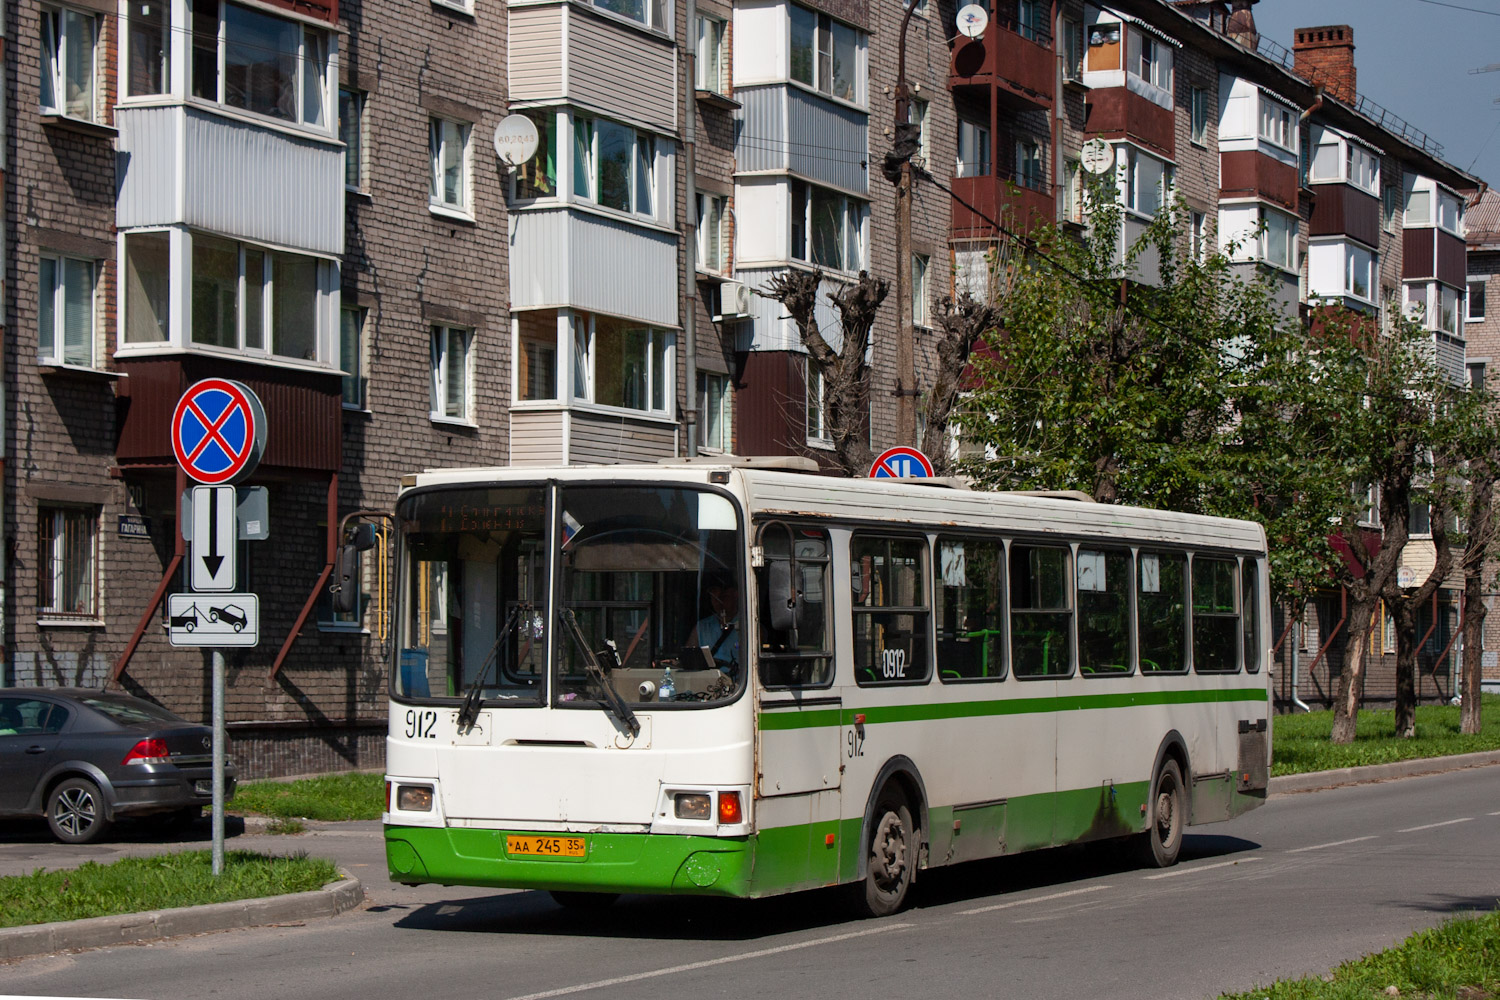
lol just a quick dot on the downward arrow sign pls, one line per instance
(214, 524)
(212, 559)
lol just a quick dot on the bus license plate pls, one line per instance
(546, 847)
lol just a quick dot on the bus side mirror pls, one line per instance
(345, 589)
(361, 537)
(782, 596)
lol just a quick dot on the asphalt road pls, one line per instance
(1293, 888)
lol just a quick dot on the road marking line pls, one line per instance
(1430, 826)
(1204, 868)
(1493, 814)
(1336, 843)
(1034, 899)
(709, 963)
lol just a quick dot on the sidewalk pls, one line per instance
(358, 848)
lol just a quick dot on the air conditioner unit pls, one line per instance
(734, 300)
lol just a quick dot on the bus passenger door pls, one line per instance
(799, 715)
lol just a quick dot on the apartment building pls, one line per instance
(302, 195)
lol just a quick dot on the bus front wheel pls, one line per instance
(1166, 817)
(890, 857)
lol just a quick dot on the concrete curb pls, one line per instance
(1318, 780)
(133, 928)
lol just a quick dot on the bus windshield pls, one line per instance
(649, 585)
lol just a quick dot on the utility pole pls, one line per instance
(897, 170)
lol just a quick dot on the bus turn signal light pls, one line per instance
(729, 808)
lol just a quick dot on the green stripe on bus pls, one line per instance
(779, 720)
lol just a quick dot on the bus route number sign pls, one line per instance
(901, 463)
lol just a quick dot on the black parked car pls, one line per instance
(84, 759)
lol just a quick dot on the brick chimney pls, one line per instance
(1325, 56)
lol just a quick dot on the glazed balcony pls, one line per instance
(1014, 59)
(981, 202)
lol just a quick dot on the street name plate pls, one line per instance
(213, 619)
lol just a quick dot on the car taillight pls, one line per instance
(152, 751)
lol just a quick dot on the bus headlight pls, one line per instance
(692, 805)
(414, 798)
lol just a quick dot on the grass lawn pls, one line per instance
(1299, 743)
(330, 797)
(132, 885)
(1459, 960)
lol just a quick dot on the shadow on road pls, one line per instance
(1457, 905)
(662, 917)
(141, 831)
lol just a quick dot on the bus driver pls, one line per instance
(719, 632)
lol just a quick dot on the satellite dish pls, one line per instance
(516, 140)
(1097, 156)
(972, 20)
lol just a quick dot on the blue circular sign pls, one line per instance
(901, 463)
(218, 431)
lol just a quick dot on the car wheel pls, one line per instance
(75, 812)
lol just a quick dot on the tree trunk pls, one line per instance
(1352, 678)
(1405, 612)
(1474, 612)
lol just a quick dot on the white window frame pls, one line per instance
(1284, 230)
(327, 86)
(822, 56)
(1354, 256)
(1198, 248)
(921, 265)
(816, 387)
(973, 158)
(1072, 190)
(463, 6)
(1277, 124)
(360, 147)
(1031, 164)
(722, 442)
(713, 255)
(1469, 315)
(52, 565)
(353, 365)
(58, 44)
(59, 350)
(164, 44)
(1072, 34)
(440, 371)
(655, 14)
(1430, 300)
(917, 113)
(709, 53)
(586, 166)
(1130, 182)
(585, 357)
(327, 279)
(438, 151)
(1198, 116)
(853, 217)
(1153, 63)
(1448, 202)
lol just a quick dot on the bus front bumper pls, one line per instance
(612, 862)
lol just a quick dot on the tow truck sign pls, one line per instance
(213, 619)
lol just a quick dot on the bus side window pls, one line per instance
(1161, 611)
(968, 597)
(1250, 612)
(890, 612)
(802, 657)
(1040, 611)
(1104, 611)
(1216, 621)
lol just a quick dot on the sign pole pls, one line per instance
(218, 806)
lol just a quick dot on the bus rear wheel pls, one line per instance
(889, 858)
(573, 900)
(1166, 816)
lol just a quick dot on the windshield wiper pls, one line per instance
(595, 670)
(468, 713)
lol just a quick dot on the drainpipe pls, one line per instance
(690, 227)
(1296, 645)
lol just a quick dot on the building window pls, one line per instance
(1279, 240)
(1072, 191)
(65, 311)
(916, 113)
(1363, 169)
(1258, 232)
(67, 562)
(1198, 237)
(919, 290)
(710, 55)
(1476, 374)
(1474, 301)
(1031, 158)
(536, 355)
(256, 62)
(537, 177)
(973, 150)
(1072, 50)
(1199, 111)
(1389, 195)
(452, 371)
(148, 280)
(148, 66)
(825, 54)
(827, 228)
(1341, 268)
(651, 13)
(352, 356)
(352, 134)
(818, 431)
(1147, 182)
(1418, 207)
(619, 363)
(711, 255)
(1434, 306)
(1151, 61)
(1278, 124)
(256, 300)
(448, 144)
(1450, 214)
(69, 62)
(1359, 272)
(614, 166)
(713, 412)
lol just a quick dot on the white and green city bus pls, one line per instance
(742, 679)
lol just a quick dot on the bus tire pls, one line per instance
(574, 900)
(890, 857)
(1166, 816)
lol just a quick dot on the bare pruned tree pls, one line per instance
(960, 322)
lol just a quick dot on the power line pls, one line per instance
(1472, 10)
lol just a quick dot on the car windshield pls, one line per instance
(129, 711)
(651, 577)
